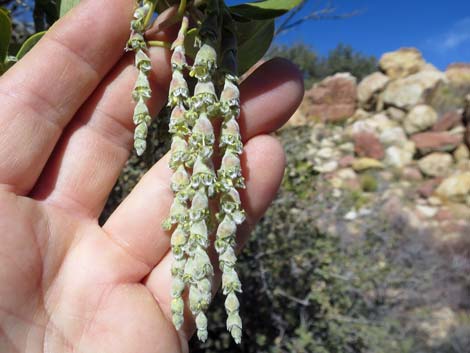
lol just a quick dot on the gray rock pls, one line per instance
(399, 157)
(395, 114)
(436, 164)
(369, 87)
(407, 92)
(402, 62)
(394, 136)
(420, 118)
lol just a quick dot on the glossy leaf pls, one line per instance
(5, 34)
(66, 5)
(261, 10)
(254, 39)
(29, 44)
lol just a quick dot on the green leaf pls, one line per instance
(254, 39)
(5, 34)
(66, 5)
(262, 10)
(29, 44)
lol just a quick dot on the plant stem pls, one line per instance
(159, 43)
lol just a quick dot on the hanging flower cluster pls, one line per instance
(141, 92)
(199, 190)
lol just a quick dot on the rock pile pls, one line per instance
(399, 124)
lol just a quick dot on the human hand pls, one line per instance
(66, 283)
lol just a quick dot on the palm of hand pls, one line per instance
(67, 284)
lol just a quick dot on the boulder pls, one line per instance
(462, 153)
(326, 167)
(448, 121)
(458, 74)
(369, 87)
(362, 164)
(455, 188)
(394, 136)
(368, 145)
(360, 114)
(407, 92)
(399, 157)
(412, 174)
(346, 161)
(436, 164)
(436, 141)
(376, 124)
(420, 118)
(333, 99)
(427, 188)
(395, 114)
(401, 63)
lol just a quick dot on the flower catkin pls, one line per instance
(231, 214)
(195, 181)
(198, 269)
(179, 127)
(141, 92)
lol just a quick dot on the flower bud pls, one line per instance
(178, 59)
(141, 131)
(230, 94)
(200, 200)
(178, 267)
(231, 303)
(201, 324)
(179, 179)
(178, 240)
(199, 233)
(141, 113)
(227, 228)
(177, 287)
(142, 11)
(236, 334)
(194, 299)
(203, 174)
(204, 63)
(204, 95)
(141, 88)
(136, 42)
(234, 320)
(205, 286)
(140, 145)
(178, 211)
(178, 89)
(142, 61)
(227, 258)
(179, 151)
(230, 281)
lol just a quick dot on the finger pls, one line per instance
(40, 94)
(137, 221)
(88, 160)
(264, 163)
(95, 146)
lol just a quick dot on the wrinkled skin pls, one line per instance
(66, 283)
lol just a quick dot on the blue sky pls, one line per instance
(440, 29)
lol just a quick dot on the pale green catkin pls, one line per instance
(229, 178)
(141, 92)
(199, 271)
(194, 180)
(180, 181)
